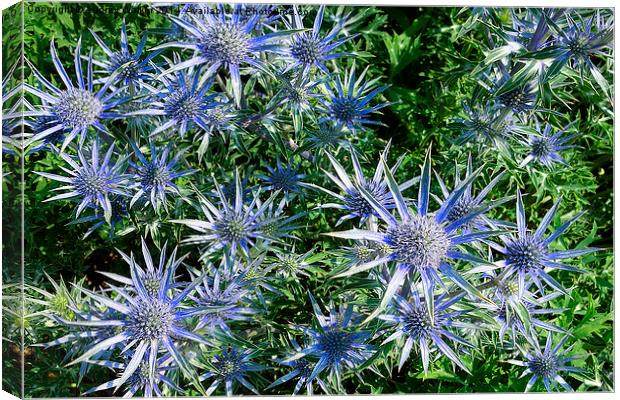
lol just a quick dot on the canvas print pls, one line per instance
(269, 199)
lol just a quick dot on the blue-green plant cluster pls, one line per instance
(265, 199)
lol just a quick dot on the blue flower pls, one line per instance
(155, 177)
(93, 180)
(77, 108)
(326, 136)
(183, 103)
(484, 123)
(291, 264)
(420, 243)
(141, 378)
(149, 315)
(352, 201)
(528, 255)
(234, 226)
(302, 370)
(348, 102)
(306, 49)
(223, 39)
(130, 68)
(546, 364)
(230, 366)
(284, 178)
(419, 327)
(545, 148)
(334, 342)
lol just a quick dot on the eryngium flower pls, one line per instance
(528, 254)
(184, 103)
(326, 136)
(93, 180)
(545, 148)
(302, 370)
(484, 123)
(307, 48)
(334, 342)
(77, 108)
(284, 178)
(129, 67)
(420, 243)
(224, 39)
(290, 264)
(425, 330)
(546, 364)
(233, 226)
(348, 102)
(155, 177)
(141, 378)
(352, 201)
(151, 316)
(231, 366)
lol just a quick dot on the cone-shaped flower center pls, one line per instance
(541, 147)
(359, 205)
(151, 319)
(182, 105)
(519, 99)
(91, 183)
(229, 364)
(420, 242)
(526, 253)
(335, 344)
(417, 323)
(126, 66)
(344, 109)
(462, 207)
(232, 227)
(151, 283)
(141, 375)
(77, 108)
(544, 365)
(306, 48)
(154, 175)
(226, 43)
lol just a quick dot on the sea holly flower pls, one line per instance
(326, 136)
(527, 254)
(352, 201)
(228, 292)
(234, 225)
(151, 317)
(484, 123)
(291, 264)
(302, 370)
(77, 108)
(184, 103)
(468, 203)
(154, 177)
(307, 49)
(229, 367)
(296, 93)
(130, 68)
(547, 364)
(421, 243)
(418, 327)
(93, 180)
(348, 102)
(284, 177)
(140, 380)
(336, 342)
(223, 39)
(545, 148)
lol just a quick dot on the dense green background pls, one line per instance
(420, 54)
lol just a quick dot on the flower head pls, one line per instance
(76, 108)
(544, 148)
(348, 102)
(284, 178)
(92, 180)
(230, 366)
(326, 136)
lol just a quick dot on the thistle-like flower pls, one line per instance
(352, 201)
(306, 49)
(545, 148)
(231, 366)
(150, 316)
(528, 255)
(419, 327)
(348, 103)
(335, 343)
(284, 178)
(234, 226)
(546, 364)
(131, 69)
(326, 136)
(302, 370)
(154, 177)
(290, 264)
(140, 380)
(224, 39)
(485, 124)
(93, 180)
(420, 243)
(184, 102)
(77, 108)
